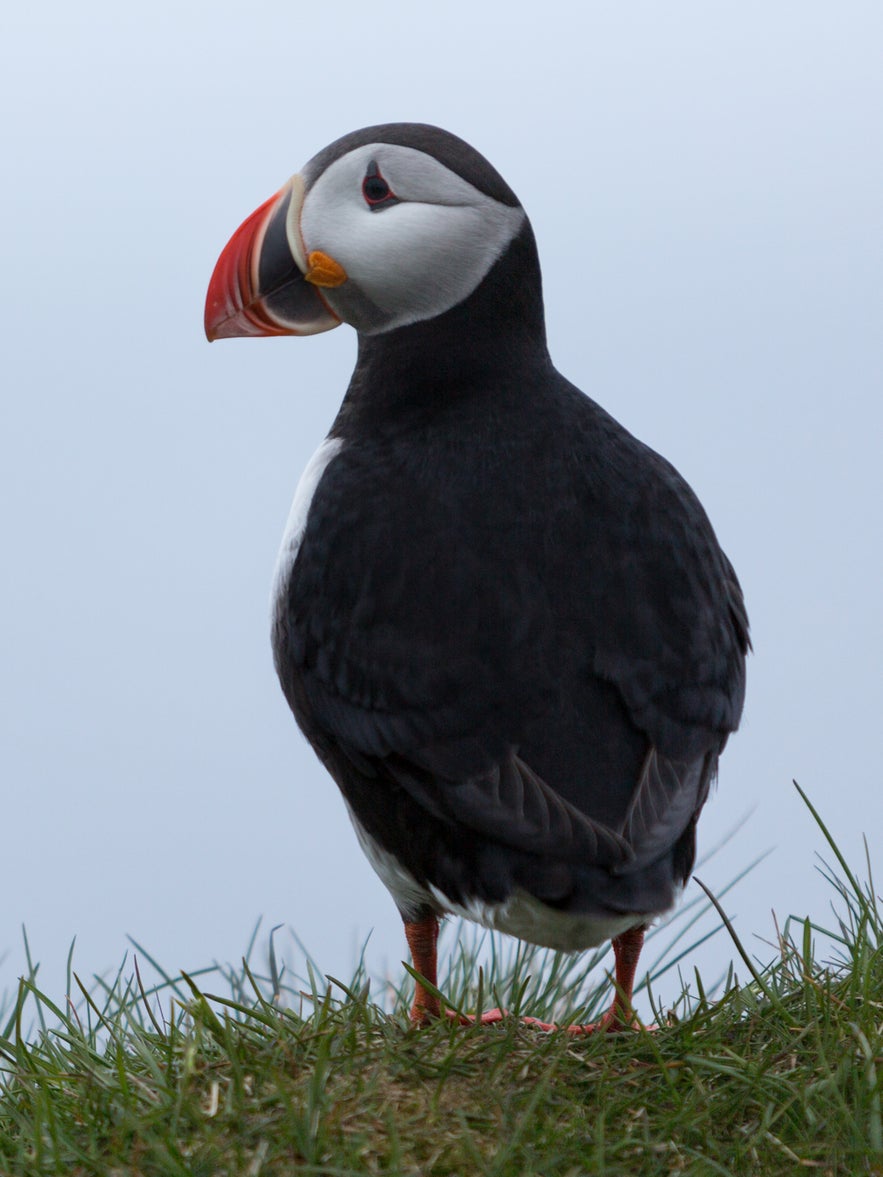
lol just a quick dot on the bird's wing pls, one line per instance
(417, 646)
(510, 803)
(418, 660)
(669, 623)
(668, 796)
(668, 629)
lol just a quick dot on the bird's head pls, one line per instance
(389, 226)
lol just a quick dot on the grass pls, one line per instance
(777, 1075)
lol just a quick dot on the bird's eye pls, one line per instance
(376, 191)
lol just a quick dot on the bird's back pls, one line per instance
(514, 576)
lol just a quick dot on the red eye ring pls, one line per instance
(375, 190)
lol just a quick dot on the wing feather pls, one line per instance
(515, 807)
(666, 798)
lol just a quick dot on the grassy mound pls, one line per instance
(776, 1075)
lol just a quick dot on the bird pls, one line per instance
(504, 624)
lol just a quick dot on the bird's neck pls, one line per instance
(484, 347)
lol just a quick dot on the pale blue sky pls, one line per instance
(706, 186)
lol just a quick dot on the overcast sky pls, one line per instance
(706, 187)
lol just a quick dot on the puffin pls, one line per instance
(504, 624)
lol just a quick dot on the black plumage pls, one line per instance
(509, 631)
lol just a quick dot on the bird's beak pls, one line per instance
(263, 284)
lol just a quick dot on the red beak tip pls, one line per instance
(236, 306)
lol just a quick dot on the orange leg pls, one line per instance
(422, 940)
(621, 1015)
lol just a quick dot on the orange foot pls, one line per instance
(611, 1023)
(620, 1016)
(490, 1017)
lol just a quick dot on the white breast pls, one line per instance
(298, 515)
(529, 919)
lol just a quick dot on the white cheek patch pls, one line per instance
(425, 258)
(415, 259)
